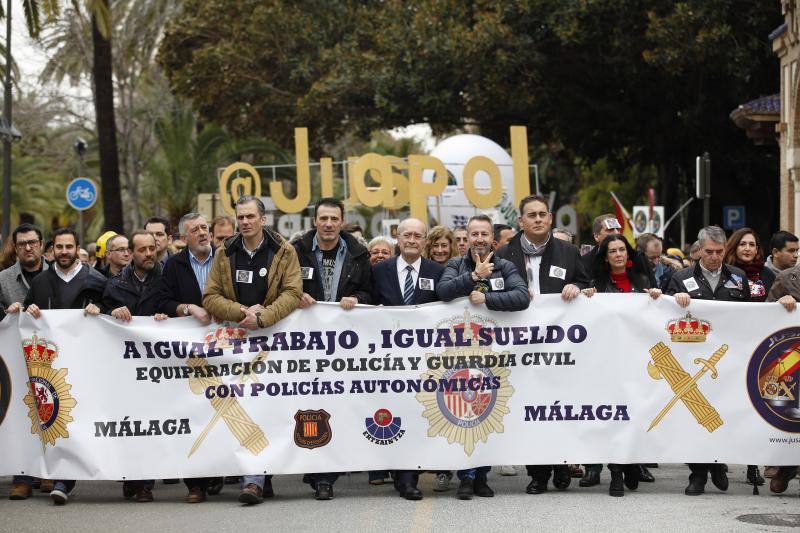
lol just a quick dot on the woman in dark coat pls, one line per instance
(616, 270)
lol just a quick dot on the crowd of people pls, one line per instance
(242, 271)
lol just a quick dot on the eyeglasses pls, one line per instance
(121, 250)
(415, 236)
(32, 243)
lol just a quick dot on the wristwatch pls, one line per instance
(186, 310)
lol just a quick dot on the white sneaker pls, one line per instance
(508, 470)
(58, 496)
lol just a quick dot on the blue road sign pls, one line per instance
(733, 217)
(81, 193)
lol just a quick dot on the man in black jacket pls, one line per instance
(69, 284)
(549, 266)
(181, 295)
(334, 268)
(708, 279)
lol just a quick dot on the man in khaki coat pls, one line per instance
(255, 281)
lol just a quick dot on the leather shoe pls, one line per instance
(482, 489)
(536, 486)
(466, 489)
(143, 494)
(780, 481)
(590, 478)
(22, 491)
(561, 477)
(718, 477)
(196, 495)
(215, 485)
(128, 489)
(324, 491)
(251, 494)
(631, 475)
(697, 485)
(412, 493)
(616, 487)
(644, 474)
(46, 485)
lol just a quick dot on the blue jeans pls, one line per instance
(28, 480)
(474, 473)
(255, 480)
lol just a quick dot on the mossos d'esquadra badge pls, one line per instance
(470, 400)
(48, 397)
(772, 376)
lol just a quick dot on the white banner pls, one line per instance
(614, 378)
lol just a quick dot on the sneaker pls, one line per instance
(143, 494)
(324, 491)
(251, 494)
(20, 491)
(508, 470)
(443, 481)
(59, 494)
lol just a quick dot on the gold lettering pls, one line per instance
(419, 191)
(476, 198)
(238, 186)
(519, 158)
(303, 197)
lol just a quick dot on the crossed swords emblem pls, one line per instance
(664, 365)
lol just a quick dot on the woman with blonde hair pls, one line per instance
(440, 246)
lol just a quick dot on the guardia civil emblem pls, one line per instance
(48, 397)
(457, 410)
(772, 376)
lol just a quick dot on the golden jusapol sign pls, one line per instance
(394, 190)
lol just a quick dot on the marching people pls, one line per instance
(181, 295)
(335, 268)
(160, 228)
(440, 245)
(549, 266)
(615, 272)
(786, 291)
(783, 252)
(117, 255)
(380, 249)
(602, 226)
(494, 283)
(255, 282)
(502, 234)
(69, 284)
(14, 284)
(408, 279)
(222, 228)
(462, 242)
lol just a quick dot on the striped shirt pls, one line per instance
(201, 270)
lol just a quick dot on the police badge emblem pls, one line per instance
(48, 398)
(471, 402)
(312, 428)
(772, 377)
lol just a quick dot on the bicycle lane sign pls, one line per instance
(81, 193)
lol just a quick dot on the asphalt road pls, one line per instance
(357, 506)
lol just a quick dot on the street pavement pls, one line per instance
(357, 506)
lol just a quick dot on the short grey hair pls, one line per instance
(186, 218)
(380, 239)
(262, 209)
(564, 232)
(712, 233)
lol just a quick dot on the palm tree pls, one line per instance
(42, 12)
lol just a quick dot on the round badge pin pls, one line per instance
(262, 272)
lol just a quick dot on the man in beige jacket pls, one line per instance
(255, 281)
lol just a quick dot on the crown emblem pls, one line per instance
(39, 352)
(224, 335)
(688, 329)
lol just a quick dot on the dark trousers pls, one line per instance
(325, 477)
(197, 482)
(475, 474)
(408, 478)
(543, 471)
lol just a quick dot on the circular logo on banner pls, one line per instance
(772, 377)
(5, 389)
(466, 408)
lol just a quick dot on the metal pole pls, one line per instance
(80, 212)
(7, 139)
(706, 190)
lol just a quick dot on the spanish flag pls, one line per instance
(624, 219)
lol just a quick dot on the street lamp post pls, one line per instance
(7, 138)
(80, 149)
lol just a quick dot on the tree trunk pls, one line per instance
(106, 129)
